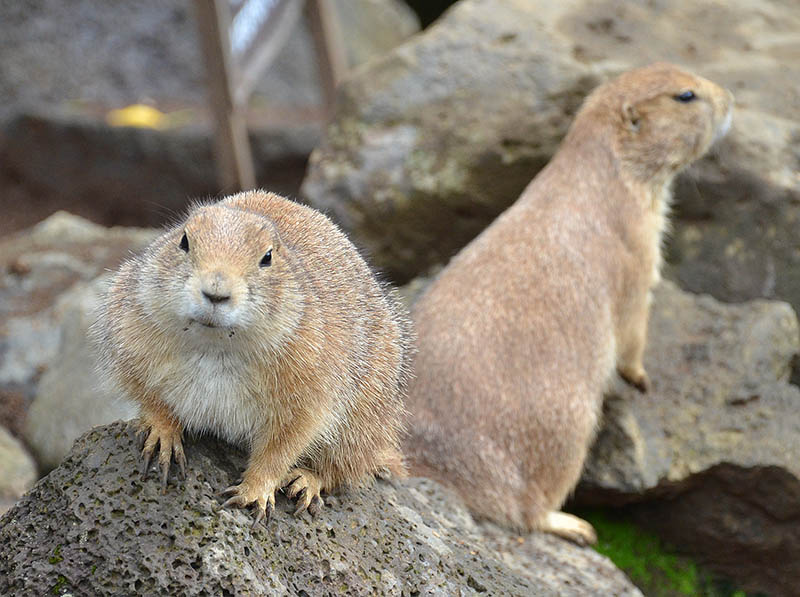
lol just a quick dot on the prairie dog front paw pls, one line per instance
(637, 377)
(163, 435)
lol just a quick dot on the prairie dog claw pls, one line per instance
(303, 486)
(166, 440)
(245, 493)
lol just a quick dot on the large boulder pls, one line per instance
(710, 457)
(94, 526)
(737, 214)
(43, 276)
(435, 139)
(58, 152)
(432, 141)
(70, 399)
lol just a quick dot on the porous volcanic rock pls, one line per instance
(710, 457)
(93, 526)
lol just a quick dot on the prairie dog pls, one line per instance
(256, 320)
(520, 334)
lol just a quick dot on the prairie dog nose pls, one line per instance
(216, 288)
(216, 298)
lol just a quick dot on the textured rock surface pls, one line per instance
(17, 470)
(93, 527)
(435, 139)
(713, 450)
(36, 268)
(70, 399)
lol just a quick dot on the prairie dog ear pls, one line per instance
(630, 116)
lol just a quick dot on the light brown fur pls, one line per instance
(521, 332)
(305, 363)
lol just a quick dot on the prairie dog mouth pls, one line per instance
(205, 324)
(229, 331)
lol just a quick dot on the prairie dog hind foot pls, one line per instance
(303, 486)
(260, 493)
(299, 484)
(570, 527)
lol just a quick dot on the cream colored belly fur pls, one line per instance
(210, 392)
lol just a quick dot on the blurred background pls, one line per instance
(68, 68)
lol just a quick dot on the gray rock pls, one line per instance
(711, 455)
(70, 399)
(17, 470)
(93, 526)
(37, 267)
(738, 214)
(435, 139)
(432, 141)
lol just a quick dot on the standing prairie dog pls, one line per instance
(520, 334)
(256, 320)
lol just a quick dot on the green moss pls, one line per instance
(61, 584)
(651, 565)
(56, 557)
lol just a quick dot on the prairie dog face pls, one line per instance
(222, 272)
(668, 118)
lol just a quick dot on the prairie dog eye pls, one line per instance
(266, 260)
(184, 244)
(685, 97)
